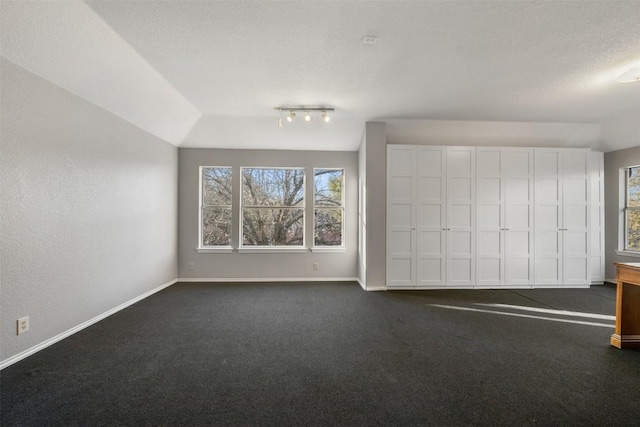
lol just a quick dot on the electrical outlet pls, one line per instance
(191, 266)
(23, 325)
(315, 266)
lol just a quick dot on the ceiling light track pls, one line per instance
(308, 118)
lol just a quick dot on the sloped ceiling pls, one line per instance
(209, 73)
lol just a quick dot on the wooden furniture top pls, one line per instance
(628, 272)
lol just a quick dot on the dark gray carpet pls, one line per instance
(331, 354)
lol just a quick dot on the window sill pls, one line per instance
(329, 250)
(629, 254)
(279, 250)
(220, 250)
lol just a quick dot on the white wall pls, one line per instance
(494, 134)
(613, 162)
(264, 266)
(88, 211)
(362, 215)
(374, 151)
(621, 131)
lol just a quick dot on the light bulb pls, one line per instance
(325, 118)
(291, 116)
(279, 122)
(630, 76)
(307, 117)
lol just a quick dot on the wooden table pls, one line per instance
(627, 333)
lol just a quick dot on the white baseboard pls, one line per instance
(36, 348)
(267, 279)
(612, 281)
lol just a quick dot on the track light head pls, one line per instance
(291, 110)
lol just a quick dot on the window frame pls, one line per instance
(201, 248)
(625, 212)
(272, 248)
(341, 208)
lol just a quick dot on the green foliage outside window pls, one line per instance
(329, 207)
(632, 210)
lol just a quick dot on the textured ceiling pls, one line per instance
(469, 61)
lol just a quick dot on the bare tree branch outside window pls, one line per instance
(216, 206)
(272, 206)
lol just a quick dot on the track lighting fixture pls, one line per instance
(308, 118)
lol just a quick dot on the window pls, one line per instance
(328, 207)
(632, 209)
(272, 207)
(215, 207)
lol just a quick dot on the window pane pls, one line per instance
(272, 187)
(216, 227)
(633, 230)
(216, 186)
(328, 187)
(328, 227)
(272, 227)
(633, 187)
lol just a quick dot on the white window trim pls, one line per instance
(632, 254)
(212, 249)
(329, 249)
(273, 249)
(302, 248)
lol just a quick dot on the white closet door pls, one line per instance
(490, 220)
(562, 217)
(548, 217)
(504, 203)
(431, 211)
(517, 172)
(576, 215)
(460, 216)
(401, 191)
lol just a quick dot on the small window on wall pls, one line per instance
(272, 207)
(215, 207)
(632, 209)
(328, 206)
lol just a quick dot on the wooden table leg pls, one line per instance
(627, 333)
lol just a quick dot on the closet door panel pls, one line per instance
(431, 206)
(460, 207)
(576, 218)
(518, 224)
(490, 218)
(548, 217)
(518, 216)
(401, 217)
